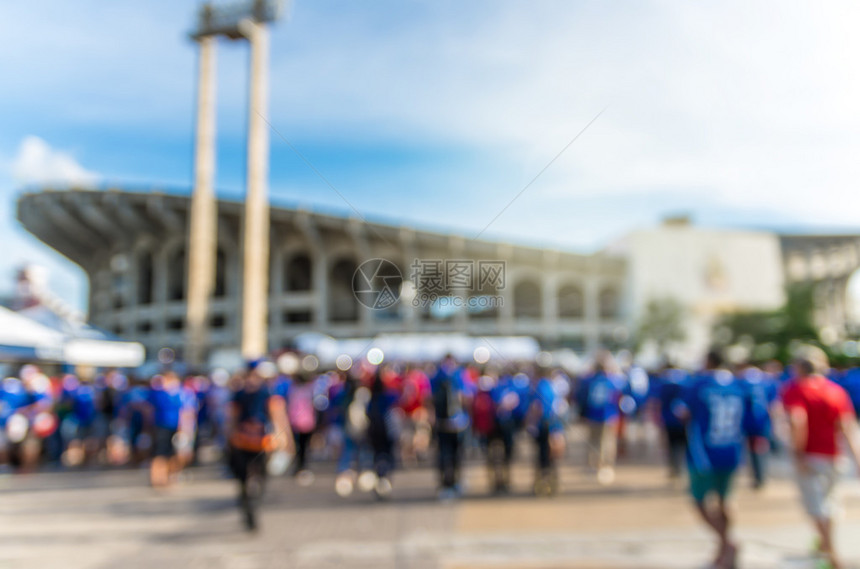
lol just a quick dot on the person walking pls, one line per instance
(674, 431)
(598, 397)
(449, 402)
(303, 421)
(718, 411)
(257, 423)
(382, 431)
(173, 413)
(547, 427)
(759, 446)
(819, 411)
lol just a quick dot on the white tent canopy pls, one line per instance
(420, 347)
(22, 334)
(25, 339)
(103, 353)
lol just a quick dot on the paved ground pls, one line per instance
(112, 519)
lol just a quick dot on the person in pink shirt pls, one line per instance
(303, 421)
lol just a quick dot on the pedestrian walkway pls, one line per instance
(112, 519)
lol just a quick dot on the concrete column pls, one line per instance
(255, 271)
(203, 215)
(506, 318)
(363, 250)
(319, 270)
(159, 281)
(457, 250)
(133, 296)
(591, 294)
(549, 296)
(549, 305)
(276, 287)
(159, 305)
(407, 309)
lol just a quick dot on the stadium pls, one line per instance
(132, 246)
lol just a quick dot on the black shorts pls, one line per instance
(243, 462)
(164, 442)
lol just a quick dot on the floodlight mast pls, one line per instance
(238, 21)
(226, 20)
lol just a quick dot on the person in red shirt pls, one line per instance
(417, 432)
(819, 411)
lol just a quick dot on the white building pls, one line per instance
(708, 271)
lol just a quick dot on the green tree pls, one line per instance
(778, 328)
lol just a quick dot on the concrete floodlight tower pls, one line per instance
(242, 21)
(203, 214)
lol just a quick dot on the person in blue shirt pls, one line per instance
(500, 449)
(131, 416)
(449, 401)
(598, 397)
(521, 385)
(40, 416)
(280, 386)
(79, 426)
(349, 401)
(670, 385)
(762, 396)
(25, 411)
(718, 411)
(13, 397)
(173, 411)
(636, 386)
(850, 382)
(547, 427)
(776, 378)
(257, 423)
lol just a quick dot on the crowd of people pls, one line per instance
(372, 419)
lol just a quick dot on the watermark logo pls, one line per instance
(444, 276)
(437, 283)
(376, 284)
(446, 286)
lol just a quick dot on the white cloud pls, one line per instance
(36, 162)
(754, 104)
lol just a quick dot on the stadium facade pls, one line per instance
(133, 247)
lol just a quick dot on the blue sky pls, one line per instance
(438, 113)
